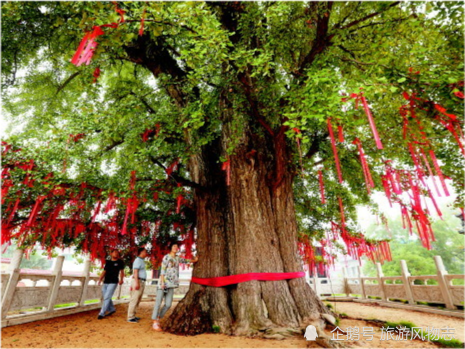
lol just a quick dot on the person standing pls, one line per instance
(169, 280)
(113, 267)
(137, 284)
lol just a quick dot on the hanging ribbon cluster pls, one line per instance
(316, 259)
(66, 214)
(398, 183)
(403, 183)
(357, 245)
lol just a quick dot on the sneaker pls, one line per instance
(156, 326)
(100, 317)
(112, 312)
(137, 318)
(133, 320)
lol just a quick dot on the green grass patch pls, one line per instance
(65, 305)
(91, 301)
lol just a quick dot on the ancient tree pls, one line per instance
(250, 130)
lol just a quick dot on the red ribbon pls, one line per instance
(322, 187)
(236, 279)
(341, 134)
(96, 74)
(142, 21)
(333, 145)
(361, 97)
(297, 131)
(226, 166)
(87, 47)
(366, 170)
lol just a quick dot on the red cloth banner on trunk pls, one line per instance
(236, 279)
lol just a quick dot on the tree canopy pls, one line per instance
(111, 140)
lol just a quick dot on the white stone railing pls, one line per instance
(49, 295)
(52, 295)
(406, 287)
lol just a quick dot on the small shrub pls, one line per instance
(216, 329)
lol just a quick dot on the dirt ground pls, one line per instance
(85, 331)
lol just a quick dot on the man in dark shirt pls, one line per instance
(113, 267)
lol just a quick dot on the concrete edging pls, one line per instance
(25, 318)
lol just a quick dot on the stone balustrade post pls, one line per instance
(360, 280)
(85, 285)
(380, 275)
(406, 282)
(57, 272)
(443, 286)
(346, 283)
(13, 270)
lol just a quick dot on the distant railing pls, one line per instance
(49, 295)
(406, 287)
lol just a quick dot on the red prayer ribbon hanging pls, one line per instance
(341, 134)
(333, 145)
(96, 74)
(322, 187)
(142, 21)
(366, 170)
(297, 131)
(360, 97)
(87, 47)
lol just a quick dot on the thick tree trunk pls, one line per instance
(249, 226)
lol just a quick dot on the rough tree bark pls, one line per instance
(249, 226)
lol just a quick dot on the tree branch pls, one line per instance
(113, 145)
(149, 108)
(67, 81)
(321, 42)
(351, 24)
(315, 147)
(176, 177)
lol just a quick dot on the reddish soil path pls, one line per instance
(85, 331)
